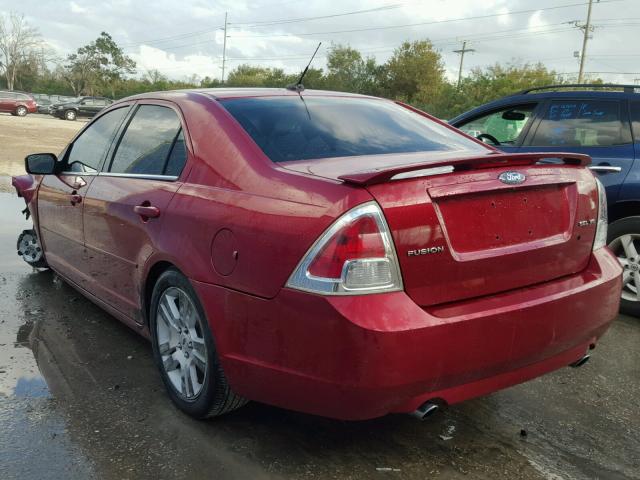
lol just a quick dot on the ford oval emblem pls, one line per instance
(512, 178)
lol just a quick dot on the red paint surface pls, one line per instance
(483, 314)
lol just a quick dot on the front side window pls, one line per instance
(505, 126)
(148, 141)
(580, 123)
(292, 128)
(88, 151)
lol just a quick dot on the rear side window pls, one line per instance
(146, 145)
(309, 128)
(580, 123)
(635, 120)
(177, 157)
(88, 151)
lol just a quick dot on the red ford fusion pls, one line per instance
(335, 254)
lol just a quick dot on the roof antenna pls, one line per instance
(298, 86)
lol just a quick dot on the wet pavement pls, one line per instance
(80, 398)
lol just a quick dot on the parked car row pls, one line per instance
(67, 108)
(602, 121)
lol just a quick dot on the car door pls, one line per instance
(6, 102)
(98, 104)
(504, 127)
(630, 190)
(85, 107)
(593, 126)
(60, 196)
(125, 203)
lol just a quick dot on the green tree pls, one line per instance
(414, 73)
(98, 67)
(254, 76)
(349, 72)
(483, 85)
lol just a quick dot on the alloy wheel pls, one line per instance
(626, 248)
(180, 336)
(21, 111)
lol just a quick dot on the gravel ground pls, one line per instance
(20, 136)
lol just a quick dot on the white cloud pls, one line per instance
(75, 8)
(184, 39)
(151, 58)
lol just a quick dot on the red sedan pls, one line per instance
(335, 254)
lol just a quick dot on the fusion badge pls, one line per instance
(512, 178)
(425, 251)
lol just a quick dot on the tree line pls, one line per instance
(415, 73)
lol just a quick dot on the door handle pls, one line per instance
(605, 168)
(147, 211)
(74, 198)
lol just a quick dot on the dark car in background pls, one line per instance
(44, 104)
(80, 107)
(17, 103)
(602, 121)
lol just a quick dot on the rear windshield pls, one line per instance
(309, 128)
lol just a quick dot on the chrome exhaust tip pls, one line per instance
(425, 410)
(580, 362)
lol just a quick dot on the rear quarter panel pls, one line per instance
(239, 220)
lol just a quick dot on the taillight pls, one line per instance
(600, 239)
(354, 256)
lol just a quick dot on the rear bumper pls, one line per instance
(363, 357)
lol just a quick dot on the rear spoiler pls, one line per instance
(382, 175)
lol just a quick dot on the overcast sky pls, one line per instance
(182, 38)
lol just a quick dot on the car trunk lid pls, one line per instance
(460, 232)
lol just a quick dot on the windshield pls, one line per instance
(309, 128)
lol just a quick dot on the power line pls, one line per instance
(420, 24)
(262, 23)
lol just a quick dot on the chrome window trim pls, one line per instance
(166, 178)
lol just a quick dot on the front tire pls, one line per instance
(30, 250)
(624, 241)
(184, 350)
(70, 115)
(21, 111)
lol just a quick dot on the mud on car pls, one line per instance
(335, 254)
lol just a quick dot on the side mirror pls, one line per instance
(40, 163)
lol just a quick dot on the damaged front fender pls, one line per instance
(26, 187)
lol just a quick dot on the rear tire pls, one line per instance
(184, 350)
(70, 115)
(21, 111)
(624, 240)
(30, 250)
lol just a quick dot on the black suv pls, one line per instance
(81, 107)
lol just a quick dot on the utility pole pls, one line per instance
(587, 28)
(462, 51)
(224, 46)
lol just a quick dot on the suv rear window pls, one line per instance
(580, 123)
(309, 128)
